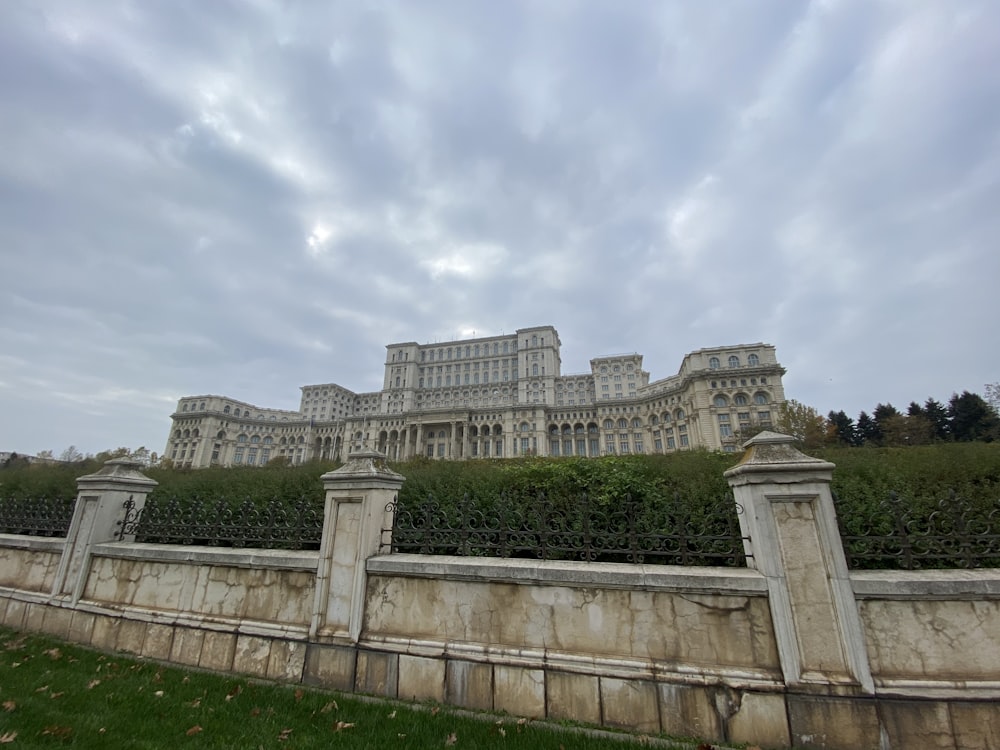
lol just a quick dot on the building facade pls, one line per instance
(494, 397)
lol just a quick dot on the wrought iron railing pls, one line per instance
(896, 534)
(669, 533)
(36, 516)
(276, 524)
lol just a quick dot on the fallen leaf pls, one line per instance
(57, 695)
(186, 680)
(331, 706)
(7, 737)
(284, 734)
(102, 730)
(705, 746)
(9, 706)
(16, 664)
(298, 695)
(54, 653)
(342, 725)
(72, 660)
(92, 684)
(233, 693)
(434, 711)
(57, 731)
(401, 736)
(255, 711)
(193, 731)
(522, 722)
(158, 693)
(502, 731)
(451, 740)
(392, 715)
(42, 689)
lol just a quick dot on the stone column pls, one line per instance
(99, 507)
(788, 515)
(357, 496)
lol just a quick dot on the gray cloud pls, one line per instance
(244, 199)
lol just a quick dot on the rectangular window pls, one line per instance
(594, 446)
(658, 444)
(525, 446)
(430, 450)
(623, 443)
(671, 444)
(555, 448)
(475, 449)
(684, 441)
(238, 456)
(764, 416)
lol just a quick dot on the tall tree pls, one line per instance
(993, 396)
(801, 422)
(867, 430)
(904, 429)
(71, 454)
(972, 418)
(937, 415)
(842, 428)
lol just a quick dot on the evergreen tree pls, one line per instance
(867, 430)
(972, 418)
(842, 428)
(937, 415)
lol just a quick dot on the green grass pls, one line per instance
(54, 694)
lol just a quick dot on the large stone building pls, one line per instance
(498, 396)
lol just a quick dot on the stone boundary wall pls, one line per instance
(793, 651)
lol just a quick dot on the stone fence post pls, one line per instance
(99, 507)
(357, 496)
(789, 517)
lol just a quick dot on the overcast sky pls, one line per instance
(242, 198)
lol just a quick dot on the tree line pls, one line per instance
(966, 417)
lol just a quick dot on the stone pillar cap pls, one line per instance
(123, 470)
(769, 451)
(364, 463)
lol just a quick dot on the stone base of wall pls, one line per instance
(715, 712)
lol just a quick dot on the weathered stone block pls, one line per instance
(976, 724)
(689, 711)
(187, 646)
(469, 684)
(330, 666)
(421, 678)
(34, 616)
(519, 691)
(630, 703)
(105, 633)
(56, 621)
(922, 724)
(287, 661)
(573, 696)
(826, 723)
(13, 617)
(158, 641)
(252, 655)
(217, 651)
(377, 673)
(81, 627)
(131, 634)
(760, 719)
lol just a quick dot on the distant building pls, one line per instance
(498, 396)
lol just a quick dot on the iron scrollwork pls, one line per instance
(36, 516)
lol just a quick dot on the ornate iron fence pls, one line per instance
(276, 524)
(895, 534)
(671, 533)
(36, 516)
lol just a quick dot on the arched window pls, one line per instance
(734, 361)
(241, 439)
(713, 363)
(720, 401)
(679, 414)
(622, 424)
(268, 440)
(441, 435)
(637, 422)
(255, 439)
(524, 426)
(654, 419)
(753, 360)
(201, 406)
(740, 399)
(226, 409)
(666, 417)
(760, 398)
(608, 424)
